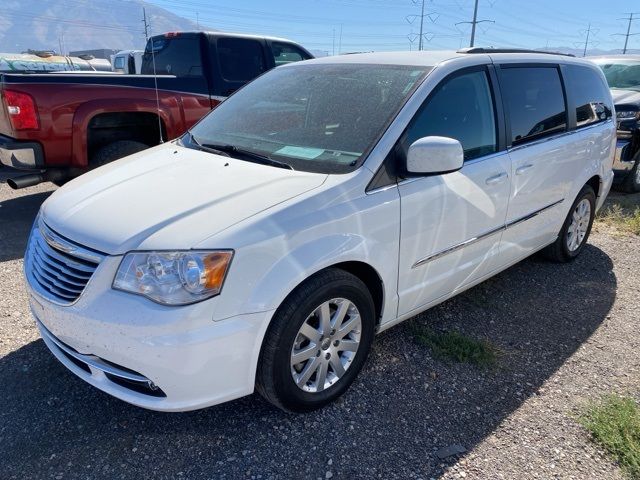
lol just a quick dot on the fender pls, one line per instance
(85, 112)
(275, 284)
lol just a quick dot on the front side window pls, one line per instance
(590, 95)
(119, 63)
(460, 108)
(284, 53)
(321, 118)
(534, 101)
(241, 59)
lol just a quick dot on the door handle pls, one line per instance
(523, 168)
(496, 178)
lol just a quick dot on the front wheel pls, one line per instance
(576, 228)
(631, 183)
(317, 342)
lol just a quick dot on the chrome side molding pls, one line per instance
(482, 236)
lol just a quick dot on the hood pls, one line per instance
(168, 197)
(621, 97)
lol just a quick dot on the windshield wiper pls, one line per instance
(233, 151)
(207, 148)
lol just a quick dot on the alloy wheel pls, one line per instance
(326, 345)
(579, 225)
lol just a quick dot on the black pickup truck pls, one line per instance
(623, 75)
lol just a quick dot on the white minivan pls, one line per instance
(324, 202)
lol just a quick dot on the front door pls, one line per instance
(451, 224)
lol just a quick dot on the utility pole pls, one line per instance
(421, 26)
(146, 25)
(473, 23)
(334, 42)
(586, 42)
(628, 34)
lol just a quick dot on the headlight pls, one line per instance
(627, 115)
(174, 278)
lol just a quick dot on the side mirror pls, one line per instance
(434, 155)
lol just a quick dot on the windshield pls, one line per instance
(621, 73)
(318, 118)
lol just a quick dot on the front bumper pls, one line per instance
(153, 356)
(624, 159)
(22, 155)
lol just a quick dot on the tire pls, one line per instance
(631, 183)
(572, 239)
(275, 373)
(115, 151)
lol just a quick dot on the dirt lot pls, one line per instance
(569, 333)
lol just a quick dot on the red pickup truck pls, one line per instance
(56, 126)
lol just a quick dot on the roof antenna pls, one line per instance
(155, 76)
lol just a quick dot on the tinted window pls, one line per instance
(460, 108)
(534, 101)
(179, 56)
(285, 53)
(119, 63)
(588, 93)
(240, 59)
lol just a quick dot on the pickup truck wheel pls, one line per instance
(317, 342)
(631, 183)
(576, 228)
(114, 151)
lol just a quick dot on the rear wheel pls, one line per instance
(317, 342)
(576, 228)
(115, 151)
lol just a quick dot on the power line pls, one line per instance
(473, 23)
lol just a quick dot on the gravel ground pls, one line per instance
(569, 334)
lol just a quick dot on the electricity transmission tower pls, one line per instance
(588, 32)
(473, 23)
(628, 34)
(412, 18)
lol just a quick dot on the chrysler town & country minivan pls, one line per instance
(326, 201)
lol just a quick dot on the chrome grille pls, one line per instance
(57, 268)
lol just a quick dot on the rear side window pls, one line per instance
(589, 95)
(284, 53)
(534, 102)
(241, 59)
(460, 108)
(119, 63)
(179, 56)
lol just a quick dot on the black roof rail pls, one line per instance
(508, 50)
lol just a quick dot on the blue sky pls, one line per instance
(383, 25)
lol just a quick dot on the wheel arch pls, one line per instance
(86, 113)
(109, 127)
(595, 182)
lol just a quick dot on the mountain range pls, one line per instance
(82, 24)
